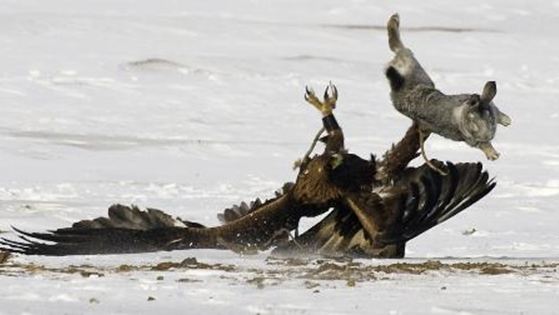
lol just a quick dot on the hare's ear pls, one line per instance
(489, 92)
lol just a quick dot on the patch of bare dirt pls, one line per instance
(486, 268)
(192, 263)
(312, 272)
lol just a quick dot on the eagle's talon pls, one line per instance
(310, 97)
(326, 92)
(310, 92)
(331, 95)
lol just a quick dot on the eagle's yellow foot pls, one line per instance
(330, 97)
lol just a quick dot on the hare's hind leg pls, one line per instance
(393, 27)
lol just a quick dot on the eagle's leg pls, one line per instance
(424, 155)
(335, 138)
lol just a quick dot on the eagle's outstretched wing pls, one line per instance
(130, 230)
(424, 199)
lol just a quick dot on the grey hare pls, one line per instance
(471, 118)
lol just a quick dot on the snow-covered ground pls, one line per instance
(191, 106)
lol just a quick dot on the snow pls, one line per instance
(191, 106)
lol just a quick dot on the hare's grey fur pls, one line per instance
(471, 118)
